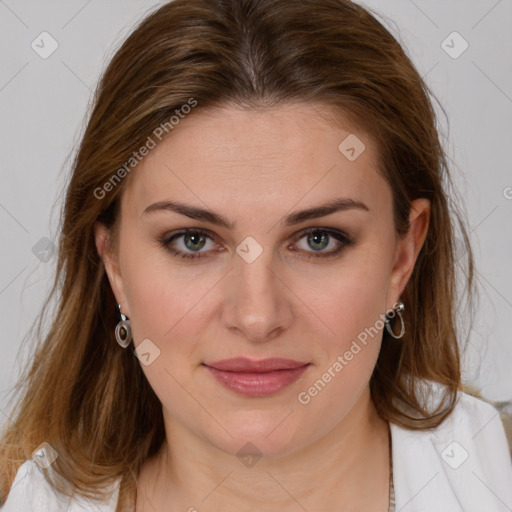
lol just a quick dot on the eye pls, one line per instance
(319, 239)
(192, 241)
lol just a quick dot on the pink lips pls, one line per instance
(257, 378)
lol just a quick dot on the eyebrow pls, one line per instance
(292, 219)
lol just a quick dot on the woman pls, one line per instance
(256, 283)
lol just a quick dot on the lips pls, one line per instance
(256, 378)
(243, 364)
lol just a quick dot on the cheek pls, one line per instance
(352, 307)
(351, 298)
(164, 309)
(351, 302)
(161, 293)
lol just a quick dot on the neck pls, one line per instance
(348, 467)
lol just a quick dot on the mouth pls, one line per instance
(257, 378)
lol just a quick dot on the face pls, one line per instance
(269, 283)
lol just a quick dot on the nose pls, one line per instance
(257, 304)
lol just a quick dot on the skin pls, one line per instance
(255, 168)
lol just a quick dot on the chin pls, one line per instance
(267, 438)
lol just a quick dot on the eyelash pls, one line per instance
(166, 241)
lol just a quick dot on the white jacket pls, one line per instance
(463, 465)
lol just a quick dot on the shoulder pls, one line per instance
(31, 491)
(463, 464)
(471, 415)
(479, 424)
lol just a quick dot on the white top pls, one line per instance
(463, 465)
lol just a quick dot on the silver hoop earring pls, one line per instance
(399, 308)
(123, 332)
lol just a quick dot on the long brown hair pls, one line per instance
(87, 397)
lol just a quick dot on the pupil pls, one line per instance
(319, 239)
(199, 239)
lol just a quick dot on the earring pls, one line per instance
(123, 330)
(399, 308)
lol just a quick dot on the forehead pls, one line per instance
(278, 157)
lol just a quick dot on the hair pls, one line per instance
(87, 397)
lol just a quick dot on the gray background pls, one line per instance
(43, 103)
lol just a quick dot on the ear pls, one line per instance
(110, 259)
(408, 248)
